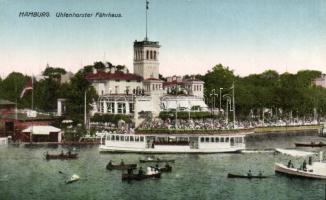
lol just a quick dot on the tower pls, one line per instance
(146, 62)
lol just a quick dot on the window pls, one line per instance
(122, 138)
(217, 139)
(154, 55)
(222, 139)
(227, 139)
(112, 137)
(126, 138)
(131, 138)
(201, 139)
(136, 138)
(151, 54)
(131, 107)
(107, 137)
(117, 138)
(116, 89)
(142, 138)
(240, 139)
(207, 139)
(147, 54)
(212, 139)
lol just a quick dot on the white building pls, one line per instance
(124, 93)
(321, 81)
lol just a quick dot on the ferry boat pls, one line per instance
(145, 143)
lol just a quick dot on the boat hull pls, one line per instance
(244, 176)
(128, 177)
(104, 148)
(310, 144)
(121, 167)
(283, 169)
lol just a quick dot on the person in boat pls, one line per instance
(310, 160)
(122, 162)
(290, 164)
(110, 163)
(140, 172)
(260, 174)
(249, 173)
(62, 152)
(304, 165)
(167, 166)
(130, 171)
(156, 167)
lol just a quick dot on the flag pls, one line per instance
(28, 86)
(147, 5)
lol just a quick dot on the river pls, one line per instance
(25, 174)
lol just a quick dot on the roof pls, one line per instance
(24, 117)
(153, 79)
(6, 102)
(173, 83)
(41, 130)
(117, 75)
(146, 43)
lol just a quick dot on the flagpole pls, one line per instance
(146, 18)
(233, 105)
(32, 93)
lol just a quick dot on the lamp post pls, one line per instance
(213, 99)
(228, 101)
(220, 98)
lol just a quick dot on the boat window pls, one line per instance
(117, 138)
(232, 140)
(201, 139)
(131, 138)
(142, 138)
(240, 139)
(136, 138)
(227, 139)
(207, 139)
(122, 138)
(126, 138)
(217, 139)
(112, 137)
(107, 137)
(222, 139)
(212, 139)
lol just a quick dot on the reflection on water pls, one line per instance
(25, 174)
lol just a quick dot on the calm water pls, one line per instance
(24, 174)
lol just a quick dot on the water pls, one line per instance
(24, 174)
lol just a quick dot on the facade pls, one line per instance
(321, 81)
(121, 92)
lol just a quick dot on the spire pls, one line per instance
(147, 2)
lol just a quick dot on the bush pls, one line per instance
(111, 118)
(184, 115)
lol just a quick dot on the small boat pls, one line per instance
(167, 168)
(111, 166)
(61, 155)
(245, 176)
(155, 160)
(314, 171)
(73, 178)
(311, 144)
(139, 177)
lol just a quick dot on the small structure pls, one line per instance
(320, 81)
(43, 133)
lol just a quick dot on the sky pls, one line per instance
(248, 36)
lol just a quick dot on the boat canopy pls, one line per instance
(41, 130)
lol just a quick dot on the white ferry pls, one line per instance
(144, 143)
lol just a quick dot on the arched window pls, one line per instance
(154, 55)
(147, 54)
(151, 54)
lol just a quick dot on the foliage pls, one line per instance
(111, 118)
(184, 115)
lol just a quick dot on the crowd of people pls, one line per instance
(211, 123)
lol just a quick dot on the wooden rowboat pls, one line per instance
(245, 176)
(68, 155)
(111, 166)
(312, 144)
(139, 177)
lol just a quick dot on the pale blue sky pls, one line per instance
(249, 36)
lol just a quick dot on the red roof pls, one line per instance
(117, 75)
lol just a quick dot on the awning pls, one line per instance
(41, 130)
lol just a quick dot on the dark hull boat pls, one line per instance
(121, 167)
(245, 176)
(61, 156)
(139, 177)
(156, 160)
(166, 169)
(312, 144)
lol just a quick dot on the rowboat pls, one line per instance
(138, 177)
(155, 160)
(61, 155)
(72, 179)
(312, 144)
(111, 166)
(245, 176)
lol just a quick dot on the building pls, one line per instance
(42, 134)
(321, 81)
(121, 92)
(6, 107)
